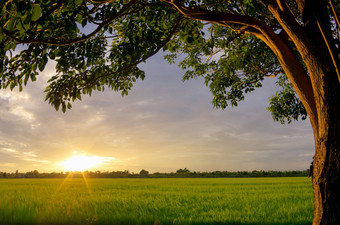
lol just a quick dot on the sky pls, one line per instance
(162, 125)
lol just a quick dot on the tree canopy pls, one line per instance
(99, 44)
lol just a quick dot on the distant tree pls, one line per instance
(35, 172)
(126, 172)
(181, 171)
(144, 172)
(234, 45)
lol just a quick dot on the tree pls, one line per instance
(234, 45)
(183, 171)
(144, 172)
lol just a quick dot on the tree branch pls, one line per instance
(302, 83)
(172, 32)
(76, 40)
(216, 17)
(332, 52)
(101, 1)
(288, 60)
(49, 12)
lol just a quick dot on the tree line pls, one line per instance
(144, 173)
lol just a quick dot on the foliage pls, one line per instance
(285, 105)
(183, 171)
(98, 44)
(84, 62)
(144, 172)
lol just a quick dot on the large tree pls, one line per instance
(234, 45)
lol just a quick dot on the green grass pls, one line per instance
(165, 201)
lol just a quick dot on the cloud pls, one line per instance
(13, 96)
(22, 155)
(17, 107)
(5, 166)
(22, 113)
(162, 125)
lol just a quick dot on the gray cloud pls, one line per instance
(162, 125)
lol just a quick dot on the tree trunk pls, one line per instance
(326, 163)
(326, 185)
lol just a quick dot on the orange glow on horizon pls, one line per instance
(82, 162)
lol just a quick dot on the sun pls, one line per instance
(81, 162)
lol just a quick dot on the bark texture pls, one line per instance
(324, 77)
(326, 163)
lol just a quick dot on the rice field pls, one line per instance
(168, 201)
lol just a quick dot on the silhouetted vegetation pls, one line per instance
(144, 173)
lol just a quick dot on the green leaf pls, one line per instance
(63, 107)
(69, 106)
(42, 64)
(36, 12)
(20, 28)
(10, 24)
(13, 84)
(51, 55)
(78, 2)
(28, 19)
(34, 66)
(33, 77)
(26, 79)
(56, 105)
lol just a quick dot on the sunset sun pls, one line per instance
(82, 162)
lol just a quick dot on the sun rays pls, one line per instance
(69, 177)
(77, 164)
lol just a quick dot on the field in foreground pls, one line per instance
(165, 201)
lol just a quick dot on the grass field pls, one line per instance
(136, 201)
